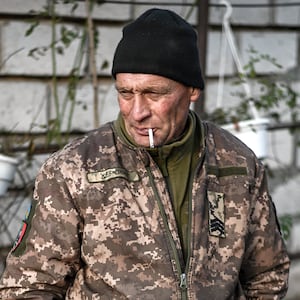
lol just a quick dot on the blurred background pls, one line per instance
(55, 84)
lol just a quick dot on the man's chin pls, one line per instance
(143, 145)
(141, 142)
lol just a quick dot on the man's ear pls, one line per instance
(195, 94)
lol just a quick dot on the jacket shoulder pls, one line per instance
(86, 148)
(226, 150)
(224, 141)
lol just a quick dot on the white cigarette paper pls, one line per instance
(151, 139)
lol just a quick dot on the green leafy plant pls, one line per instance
(286, 224)
(62, 38)
(274, 98)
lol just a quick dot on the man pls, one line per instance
(156, 205)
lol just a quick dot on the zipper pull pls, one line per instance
(183, 284)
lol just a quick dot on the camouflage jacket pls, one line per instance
(104, 227)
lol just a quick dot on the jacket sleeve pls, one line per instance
(44, 261)
(265, 267)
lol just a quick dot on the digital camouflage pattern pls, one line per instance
(104, 227)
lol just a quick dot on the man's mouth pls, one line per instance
(142, 131)
(146, 132)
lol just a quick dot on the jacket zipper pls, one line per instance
(183, 273)
(182, 277)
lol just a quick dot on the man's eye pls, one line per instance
(125, 94)
(154, 95)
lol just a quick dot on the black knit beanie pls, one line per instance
(160, 42)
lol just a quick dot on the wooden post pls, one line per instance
(202, 29)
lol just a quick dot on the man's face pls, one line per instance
(152, 101)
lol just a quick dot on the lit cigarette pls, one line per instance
(151, 139)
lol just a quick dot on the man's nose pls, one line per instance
(140, 109)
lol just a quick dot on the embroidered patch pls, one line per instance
(216, 214)
(110, 174)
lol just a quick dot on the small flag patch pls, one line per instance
(23, 232)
